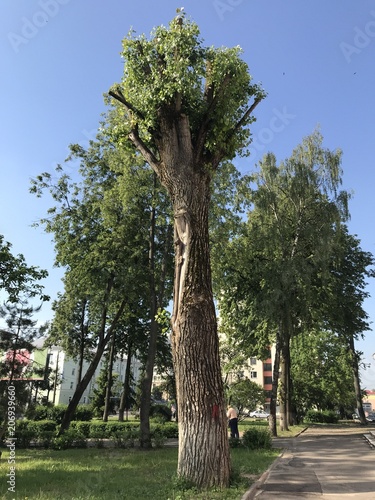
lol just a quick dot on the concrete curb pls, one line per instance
(255, 487)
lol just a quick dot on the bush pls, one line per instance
(69, 439)
(125, 437)
(169, 429)
(84, 413)
(25, 433)
(161, 413)
(321, 417)
(83, 427)
(254, 438)
(56, 413)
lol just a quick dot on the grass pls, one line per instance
(100, 474)
(119, 474)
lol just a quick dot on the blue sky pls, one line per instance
(315, 60)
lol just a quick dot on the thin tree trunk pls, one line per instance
(275, 383)
(146, 385)
(107, 400)
(357, 384)
(126, 387)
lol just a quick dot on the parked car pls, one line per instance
(370, 417)
(259, 414)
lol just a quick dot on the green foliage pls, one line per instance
(71, 438)
(56, 413)
(161, 413)
(321, 417)
(172, 69)
(255, 438)
(17, 279)
(245, 394)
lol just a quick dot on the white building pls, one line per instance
(65, 370)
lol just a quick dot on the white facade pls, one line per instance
(65, 372)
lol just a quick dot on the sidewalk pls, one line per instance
(321, 463)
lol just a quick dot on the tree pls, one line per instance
(351, 266)
(245, 395)
(276, 268)
(186, 108)
(112, 233)
(17, 344)
(17, 279)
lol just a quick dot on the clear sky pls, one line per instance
(316, 60)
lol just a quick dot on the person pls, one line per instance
(232, 416)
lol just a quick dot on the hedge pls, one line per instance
(43, 433)
(321, 417)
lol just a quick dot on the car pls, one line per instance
(370, 417)
(259, 414)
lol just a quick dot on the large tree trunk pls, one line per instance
(203, 437)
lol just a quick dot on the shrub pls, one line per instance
(321, 417)
(254, 438)
(158, 438)
(161, 412)
(83, 427)
(125, 437)
(169, 429)
(83, 413)
(70, 438)
(25, 433)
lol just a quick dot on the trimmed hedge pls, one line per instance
(56, 413)
(43, 433)
(321, 417)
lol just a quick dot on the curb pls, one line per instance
(255, 487)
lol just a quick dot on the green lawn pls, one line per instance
(103, 474)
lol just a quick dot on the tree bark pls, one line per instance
(356, 380)
(107, 400)
(126, 387)
(272, 422)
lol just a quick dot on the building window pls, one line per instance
(84, 400)
(267, 380)
(71, 385)
(253, 374)
(73, 371)
(267, 367)
(253, 361)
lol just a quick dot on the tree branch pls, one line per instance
(212, 100)
(147, 154)
(245, 116)
(119, 97)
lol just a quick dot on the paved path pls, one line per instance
(328, 463)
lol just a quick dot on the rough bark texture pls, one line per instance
(203, 437)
